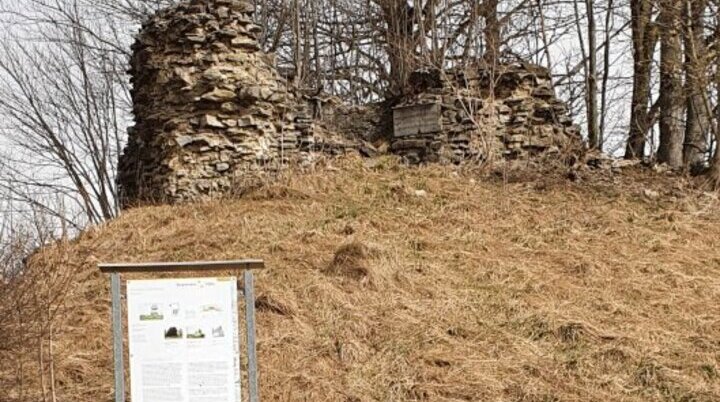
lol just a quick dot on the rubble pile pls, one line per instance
(210, 108)
(338, 127)
(476, 112)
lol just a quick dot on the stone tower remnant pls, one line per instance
(209, 106)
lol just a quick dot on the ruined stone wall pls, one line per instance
(212, 112)
(338, 127)
(475, 113)
(209, 106)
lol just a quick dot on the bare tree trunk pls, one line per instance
(317, 53)
(670, 150)
(298, 53)
(491, 32)
(399, 21)
(644, 37)
(543, 35)
(713, 173)
(607, 54)
(697, 122)
(592, 73)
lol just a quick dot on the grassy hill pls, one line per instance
(388, 283)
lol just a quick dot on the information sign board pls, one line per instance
(416, 120)
(184, 341)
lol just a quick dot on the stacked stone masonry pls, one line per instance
(476, 112)
(210, 108)
(212, 112)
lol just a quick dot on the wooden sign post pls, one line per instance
(115, 271)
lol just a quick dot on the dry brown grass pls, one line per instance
(474, 290)
(350, 261)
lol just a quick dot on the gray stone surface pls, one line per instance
(508, 111)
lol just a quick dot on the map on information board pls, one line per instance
(183, 336)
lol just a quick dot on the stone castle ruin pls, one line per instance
(211, 110)
(477, 111)
(209, 106)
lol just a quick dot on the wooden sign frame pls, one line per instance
(247, 266)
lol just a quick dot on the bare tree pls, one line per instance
(670, 149)
(697, 120)
(64, 105)
(644, 38)
(713, 173)
(591, 74)
(492, 32)
(65, 101)
(607, 62)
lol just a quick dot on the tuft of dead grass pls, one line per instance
(482, 289)
(350, 261)
(273, 304)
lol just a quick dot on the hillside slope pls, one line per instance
(414, 284)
